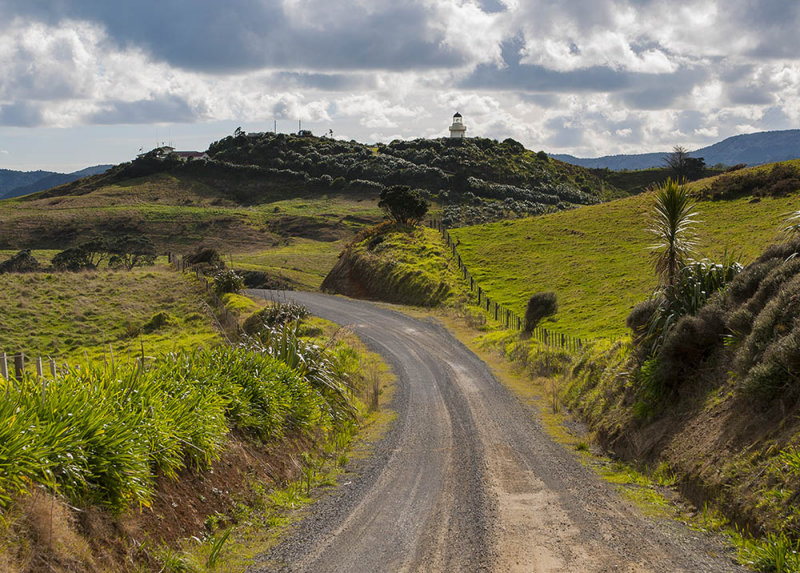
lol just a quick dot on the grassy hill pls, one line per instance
(289, 203)
(65, 315)
(596, 258)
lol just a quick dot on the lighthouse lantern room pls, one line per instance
(458, 129)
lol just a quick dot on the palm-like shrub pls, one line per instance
(672, 223)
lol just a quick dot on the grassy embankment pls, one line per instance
(400, 264)
(130, 448)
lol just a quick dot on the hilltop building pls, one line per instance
(458, 130)
(164, 151)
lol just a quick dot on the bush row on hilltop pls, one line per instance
(471, 176)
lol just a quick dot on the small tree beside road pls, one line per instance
(403, 204)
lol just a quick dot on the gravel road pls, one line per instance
(467, 479)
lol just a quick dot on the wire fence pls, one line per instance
(227, 321)
(14, 365)
(502, 314)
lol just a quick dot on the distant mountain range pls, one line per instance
(751, 149)
(18, 183)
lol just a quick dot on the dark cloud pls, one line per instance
(540, 79)
(492, 6)
(324, 82)
(749, 95)
(21, 114)
(542, 100)
(248, 34)
(774, 22)
(163, 109)
(689, 120)
(659, 91)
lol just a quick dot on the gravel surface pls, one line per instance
(467, 479)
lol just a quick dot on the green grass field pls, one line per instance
(596, 258)
(303, 262)
(61, 315)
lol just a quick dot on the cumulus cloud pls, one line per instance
(586, 76)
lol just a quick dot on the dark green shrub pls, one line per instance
(695, 284)
(744, 286)
(778, 372)
(205, 257)
(774, 322)
(72, 259)
(22, 262)
(740, 322)
(640, 318)
(157, 322)
(128, 251)
(263, 280)
(540, 305)
(226, 281)
(692, 340)
(403, 204)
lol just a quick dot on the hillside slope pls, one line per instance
(18, 183)
(474, 179)
(263, 188)
(597, 258)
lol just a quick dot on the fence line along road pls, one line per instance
(505, 316)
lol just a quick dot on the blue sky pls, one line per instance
(92, 81)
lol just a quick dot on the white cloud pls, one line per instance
(586, 76)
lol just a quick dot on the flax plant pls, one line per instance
(101, 434)
(672, 225)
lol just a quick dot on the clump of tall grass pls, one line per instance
(99, 434)
(273, 315)
(323, 370)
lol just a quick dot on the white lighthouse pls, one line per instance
(458, 129)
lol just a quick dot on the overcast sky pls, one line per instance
(84, 82)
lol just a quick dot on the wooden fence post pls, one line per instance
(19, 365)
(4, 366)
(54, 371)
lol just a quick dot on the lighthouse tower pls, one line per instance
(458, 129)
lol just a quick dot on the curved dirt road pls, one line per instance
(467, 480)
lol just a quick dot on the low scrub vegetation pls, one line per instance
(778, 180)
